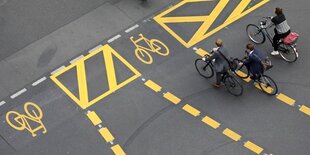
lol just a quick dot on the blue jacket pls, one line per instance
(253, 63)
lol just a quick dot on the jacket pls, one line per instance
(220, 63)
(253, 63)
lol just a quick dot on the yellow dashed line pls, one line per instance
(191, 110)
(106, 134)
(202, 52)
(253, 147)
(172, 98)
(94, 118)
(268, 89)
(231, 134)
(286, 99)
(243, 74)
(117, 149)
(211, 122)
(152, 85)
(305, 110)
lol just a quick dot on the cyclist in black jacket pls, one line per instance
(282, 29)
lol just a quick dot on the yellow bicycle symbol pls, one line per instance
(154, 46)
(20, 122)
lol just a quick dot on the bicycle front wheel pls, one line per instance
(159, 47)
(204, 68)
(143, 56)
(233, 86)
(288, 52)
(255, 34)
(267, 85)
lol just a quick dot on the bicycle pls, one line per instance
(258, 35)
(154, 46)
(265, 83)
(205, 69)
(21, 121)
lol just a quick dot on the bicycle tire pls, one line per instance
(144, 54)
(233, 86)
(242, 71)
(157, 46)
(256, 32)
(204, 68)
(268, 85)
(38, 114)
(22, 124)
(287, 52)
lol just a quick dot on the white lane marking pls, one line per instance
(2, 102)
(18, 93)
(114, 38)
(58, 69)
(94, 49)
(100, 126)
(132, 28)
(76, 59)
(39, 81)
(195, 48)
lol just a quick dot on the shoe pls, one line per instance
(215, 85)
(275, 53)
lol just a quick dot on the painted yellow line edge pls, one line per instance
(231, 134)
(152, 85)
(191, 110)
(94, 118)
(106, 134)
(253, 147)
(286, 99)
(201, 52)
(97, 50)
(305, 110)
(211, 122)
(172, 98)
(117, 149)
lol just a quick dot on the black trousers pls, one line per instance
(277, 37)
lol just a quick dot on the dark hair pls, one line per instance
(250, 46)
(278, 11)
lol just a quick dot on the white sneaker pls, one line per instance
(275, 53)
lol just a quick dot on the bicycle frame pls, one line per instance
(142, 38)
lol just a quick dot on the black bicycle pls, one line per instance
(258, 35)
(205, 69)
(266, 83)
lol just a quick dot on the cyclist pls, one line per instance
(221, 66)
(281, 30)
(253, 61)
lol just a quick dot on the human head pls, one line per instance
(249, 47)
(219, 42)
(278, 11)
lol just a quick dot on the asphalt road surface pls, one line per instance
(111, 100)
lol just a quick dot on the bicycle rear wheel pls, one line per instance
(233, 85)
(255, 34)
(267, 85)
(204, 68)
(288, 52)
(143, 56)
(241, 71)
